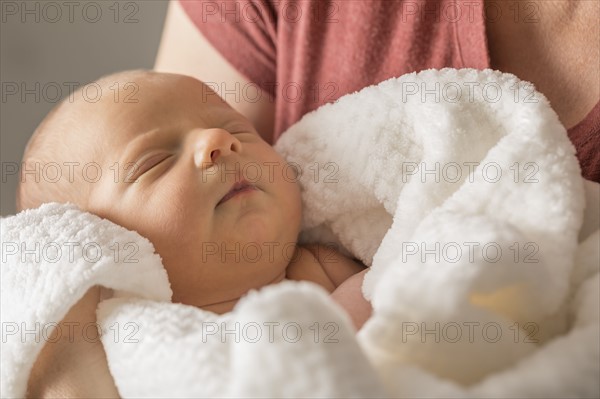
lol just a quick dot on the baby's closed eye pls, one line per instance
(147, 164)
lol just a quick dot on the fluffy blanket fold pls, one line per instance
(459, 188)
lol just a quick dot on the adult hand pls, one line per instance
(75, 365)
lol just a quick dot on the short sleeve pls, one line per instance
(243, 31)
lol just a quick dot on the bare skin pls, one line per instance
(329, 269)
(559, 55)
(73, 366)
(179, 135)
(77, 367)
(553, 44)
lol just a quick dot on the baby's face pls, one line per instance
(221, 207)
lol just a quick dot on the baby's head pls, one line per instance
(182, 168)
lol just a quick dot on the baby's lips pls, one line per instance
(237, 188)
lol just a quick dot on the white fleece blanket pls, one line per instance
(458, 187)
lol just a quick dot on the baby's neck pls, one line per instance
(306, 266)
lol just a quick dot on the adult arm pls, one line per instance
(184, 50)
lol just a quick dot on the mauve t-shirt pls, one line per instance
(308, 53)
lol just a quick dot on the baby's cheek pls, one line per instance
(294, 200)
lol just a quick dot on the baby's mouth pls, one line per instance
(237, 189)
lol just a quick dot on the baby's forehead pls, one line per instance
(76, 130)
(133, 103)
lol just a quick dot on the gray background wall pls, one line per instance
(49, 45)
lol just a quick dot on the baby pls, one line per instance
(177, 164)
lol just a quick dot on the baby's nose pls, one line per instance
(212, 144)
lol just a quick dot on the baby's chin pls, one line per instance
(272, 235)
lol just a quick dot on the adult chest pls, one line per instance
(554, 45)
